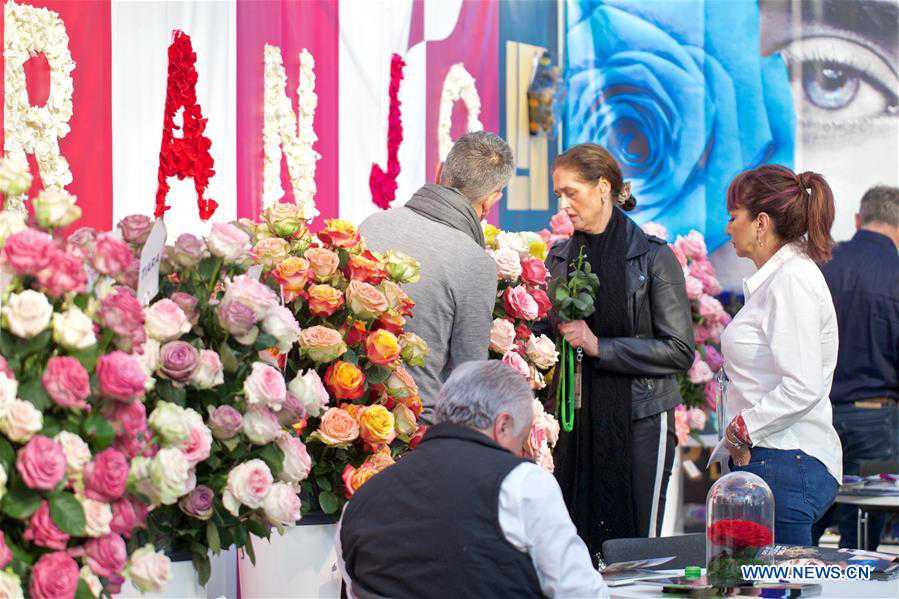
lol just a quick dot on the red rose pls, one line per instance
(533, 272)
(543, 303)
(740, 534)
(417, 437)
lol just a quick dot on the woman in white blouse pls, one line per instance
(780, 350)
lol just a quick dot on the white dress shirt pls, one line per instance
(534, 519)
(780, 352)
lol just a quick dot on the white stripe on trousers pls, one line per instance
(660, 468)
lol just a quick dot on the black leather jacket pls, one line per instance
(660, 315)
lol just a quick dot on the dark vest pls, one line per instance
(429, 525)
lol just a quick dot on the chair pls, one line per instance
(688, 550)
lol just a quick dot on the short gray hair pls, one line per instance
(477, 392)
(880, 204)
(478, 164)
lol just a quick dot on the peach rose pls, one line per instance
(365, 301)
(322, 344)
(377, 425)
(339, 233)
(382, 347)
(397, 299)
(502, 335)
(324, 300)
(323, 262)
(345, 380)
(337, 427)
(293, 274)
(271, 251)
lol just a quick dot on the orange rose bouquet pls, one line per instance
(347, 374)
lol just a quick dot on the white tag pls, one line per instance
(150, 257)
(254, 272)
(691, 470)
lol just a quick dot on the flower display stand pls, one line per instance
(301, 563)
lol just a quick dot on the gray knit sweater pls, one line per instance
(453, 300)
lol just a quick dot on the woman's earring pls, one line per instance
(758, 238)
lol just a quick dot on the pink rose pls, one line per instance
(261, 426)
(81, 243)
(681, 425)
(225, 422)
(710, 309)
(265, 386)
(713, 358)
(64, 273)
(5, 552)
(43, 532)
(128, 513)
(106, 555)
(697, 419)
(67, 382)
(41, 463)
(517, 363)
(121, 376)
(508, 263)
(248, 484)
(655, 229)
(711, 395)
(292, 411)
(54, 576)
(545, 235)
(250, 292)
(560, 223)
(127, 418)
(694, 287)
(679, 254)
(701, 333)
(228, 242)
(28, 251)
(533, 272)
(236, 317)
(179, 360)
(198, 444)
(198, 503)
(502, 335)
(544, 305)
(518, 303)
(705, 272)
(188, 305)
(699, 372)
(121, 312)
(105, 476)
(693, 245)
(136, 228)
(189, 250)
(297, 463)
(166, 321)
(111, 255)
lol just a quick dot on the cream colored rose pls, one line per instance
(502, 335)
(11, 222)
(78, 454)
(93, 583)
(21, 421)
(508, 263)
(2, 481)
(10, 585)
(169, 422)
(281, 505)
(150, 358)
(542, 351)
(169, 472)
(73, 329)
(148, 570)
(97, 517)
(166, 321)
(54, 208)
(27, 313)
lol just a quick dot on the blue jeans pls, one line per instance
(803, 490)
(866, 434)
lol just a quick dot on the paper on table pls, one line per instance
(633, 565)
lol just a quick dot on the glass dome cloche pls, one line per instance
(739, 523)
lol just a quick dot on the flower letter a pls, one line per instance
(187, 156)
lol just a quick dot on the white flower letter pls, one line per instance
(295, 134)
(458, 85)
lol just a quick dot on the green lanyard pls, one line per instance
(565, 392)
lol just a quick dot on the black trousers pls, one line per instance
(653, 444)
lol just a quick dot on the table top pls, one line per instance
(830, 589)
(882, 501)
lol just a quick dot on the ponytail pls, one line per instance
(819, 215)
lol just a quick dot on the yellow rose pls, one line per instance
(490, 233)
(382, 347)
(402, 268)
(376, 425)
(339, 233)
(284, 220)
(538, 250)
(413, 349)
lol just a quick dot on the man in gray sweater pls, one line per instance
(440, 227)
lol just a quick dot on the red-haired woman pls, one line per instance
(780, 350)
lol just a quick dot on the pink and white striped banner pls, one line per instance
(120, 54)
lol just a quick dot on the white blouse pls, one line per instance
(780, 352)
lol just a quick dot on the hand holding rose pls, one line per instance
(578, 334)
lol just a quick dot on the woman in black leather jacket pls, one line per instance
(614, 466)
